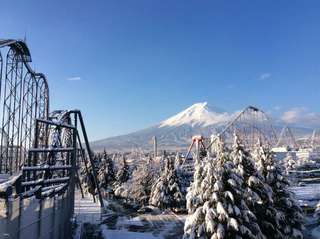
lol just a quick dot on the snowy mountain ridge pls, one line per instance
(176, 132)
(199, 114)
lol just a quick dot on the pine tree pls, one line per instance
(289, 214)
(123, 174)
(258, 193)
(183, 177)
(142, 180)
(165, 192)
(109, 170)
(215, 201)
(194, 197)
(106, 173)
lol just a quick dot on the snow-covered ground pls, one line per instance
(308, 195)
(86, 212)
(119, 221)
(315, 233)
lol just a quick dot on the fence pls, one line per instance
(47, 218)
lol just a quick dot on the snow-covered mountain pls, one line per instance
(199, 114)
(173, 133)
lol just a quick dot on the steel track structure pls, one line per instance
(39, 152)
(24, 96)
(251, 124)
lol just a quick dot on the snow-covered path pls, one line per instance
(308, 196)
(122, 222)
(86, 211)
(118, 221)
(309, 192)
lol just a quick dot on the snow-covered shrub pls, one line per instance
(165, 192)
(122, 190)
(289, 162)
(292, 162)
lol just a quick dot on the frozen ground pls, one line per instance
(308, 196)
(119, 221)
(87, 216)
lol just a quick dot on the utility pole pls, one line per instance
(212, 139)
(155, 147)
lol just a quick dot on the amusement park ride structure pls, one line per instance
(250, 125)
(40, 153)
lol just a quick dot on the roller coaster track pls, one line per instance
(39, 152)
(287, 139)
(43, 146)
(24, 96)
(250, 125)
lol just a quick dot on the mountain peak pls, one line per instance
(199, 114)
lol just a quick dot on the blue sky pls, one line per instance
(130, 64)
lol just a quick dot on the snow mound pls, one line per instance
(199, 114)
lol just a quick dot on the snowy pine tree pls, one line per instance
(215, 201)
(106, 173)
(194, 194)
(123, 173)
(142, 180)
(110, 169)
(289, 214)
(258, 193)
(165, 192)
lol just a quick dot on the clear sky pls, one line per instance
(130, 64)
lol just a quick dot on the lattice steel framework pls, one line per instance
(313, 141)
(251, 125)
(24, 96)
(286, 139)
